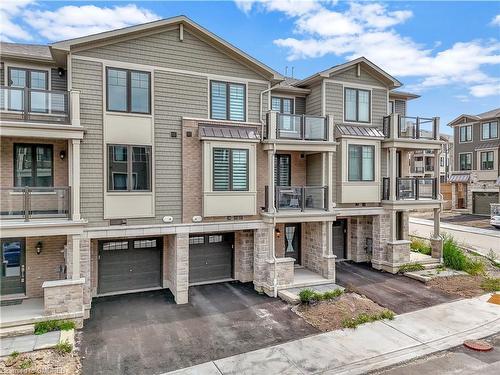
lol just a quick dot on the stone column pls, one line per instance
(85, 267)
(178, 264)
(73, 257)
(262, 238)
(436, 239)
(243, 255)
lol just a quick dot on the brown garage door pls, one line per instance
(210, 257)
(129, 264)
(482, 202)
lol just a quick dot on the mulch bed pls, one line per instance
(462, 286)
(328, 315)
(41, 362)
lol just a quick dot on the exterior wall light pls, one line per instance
(278, 232)
(62, 154)
(39, 247)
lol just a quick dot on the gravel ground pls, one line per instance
(41, 362)
(328, 315)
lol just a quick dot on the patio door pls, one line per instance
(339, 238)
(292, 241)
(12, 274)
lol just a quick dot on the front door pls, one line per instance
(339, 234)
(12, 253)
(292, 241)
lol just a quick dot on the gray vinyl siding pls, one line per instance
(314, 170)
(87, 77)
(253, 92)
(333, 101)
(300, 105)
(466, 147)
(175, 96)
(58, 83)
(166, 50)
(400, 107)
(313, 101)
(379, 106)
(350, 76)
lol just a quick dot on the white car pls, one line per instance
(495, 215)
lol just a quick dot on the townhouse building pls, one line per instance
(160, 156)
(475, 177)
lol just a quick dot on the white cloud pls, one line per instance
(368, 29)
(9, 30)
(74, 21)
(496, 20)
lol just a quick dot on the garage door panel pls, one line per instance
(123, 269)
(212, 259)
(482, 201)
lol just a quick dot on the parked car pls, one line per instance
(495, 215)
(12, 254)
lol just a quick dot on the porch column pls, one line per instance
(270, 179)
(74, 177)
(392, 173)
(329, 178)
(393, 226)
(73, 257)
(437, 172)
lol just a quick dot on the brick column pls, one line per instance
(177, 253)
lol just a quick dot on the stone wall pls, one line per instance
(85, 268)
(261, 256)
(47, 266)
(177, 255)
(381, 234)
(243, 255)
(361, 228)
(284, 272)
(63, 296)
(314, 239)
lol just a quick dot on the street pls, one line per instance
(480, 240)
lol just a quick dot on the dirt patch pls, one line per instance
(41, 362)
(328, 315)
(462, 286)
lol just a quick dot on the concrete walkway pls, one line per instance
(369, 347)
(28, 343)
(477, 239)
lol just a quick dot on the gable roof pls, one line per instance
(367, 64)
(482, 116)
(133, 31)
(26, 51)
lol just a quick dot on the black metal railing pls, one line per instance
(35, 202)
(429, 168)
(25, 104)
(417, 127)
(300, 127)
(301, 198)
(386, 126)
(415, 188)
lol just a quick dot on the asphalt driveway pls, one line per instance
(396, 292)
(147, 333)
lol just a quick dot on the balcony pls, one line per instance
(298, 129)
(31, 203)
(411, 188)
(429, 168)
(33, 105)
(410, 129)
(299, 198)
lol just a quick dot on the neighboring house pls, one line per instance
(160, 156)
(476, 162)
(422, 161)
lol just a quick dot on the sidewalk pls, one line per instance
(28, 343)
(369, 347)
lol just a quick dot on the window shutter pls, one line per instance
(221, 169)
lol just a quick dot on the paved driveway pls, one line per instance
(396, 292)
(147, 333)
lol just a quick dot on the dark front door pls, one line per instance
(129, 264)
(339, 234)
(292, 241)
(13, 255)
(211, 257)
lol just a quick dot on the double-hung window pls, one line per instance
(37, 81)
(128, 91)
(357, 104)
(129, 168)
(33, 165)
(489, 130)
(361, 163)
(282, 105)
(227, 101)
(465, 161)
(466, 133)
(230, 169)
(487, 160)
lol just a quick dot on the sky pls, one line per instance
(446, 51)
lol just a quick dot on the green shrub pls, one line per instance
(366, 318)
(411, 267)
(14, 354)
(455, 258)
(308, 295)
(64, 347)
(420, 246)
(26, 363)
(491, 284)
(53, 325)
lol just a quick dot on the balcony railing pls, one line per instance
(25, 104)
(301, 198)
(418, 170)
(298, 127)
(406, 127)
(411, 188)
(429, 168)
(35, 203)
